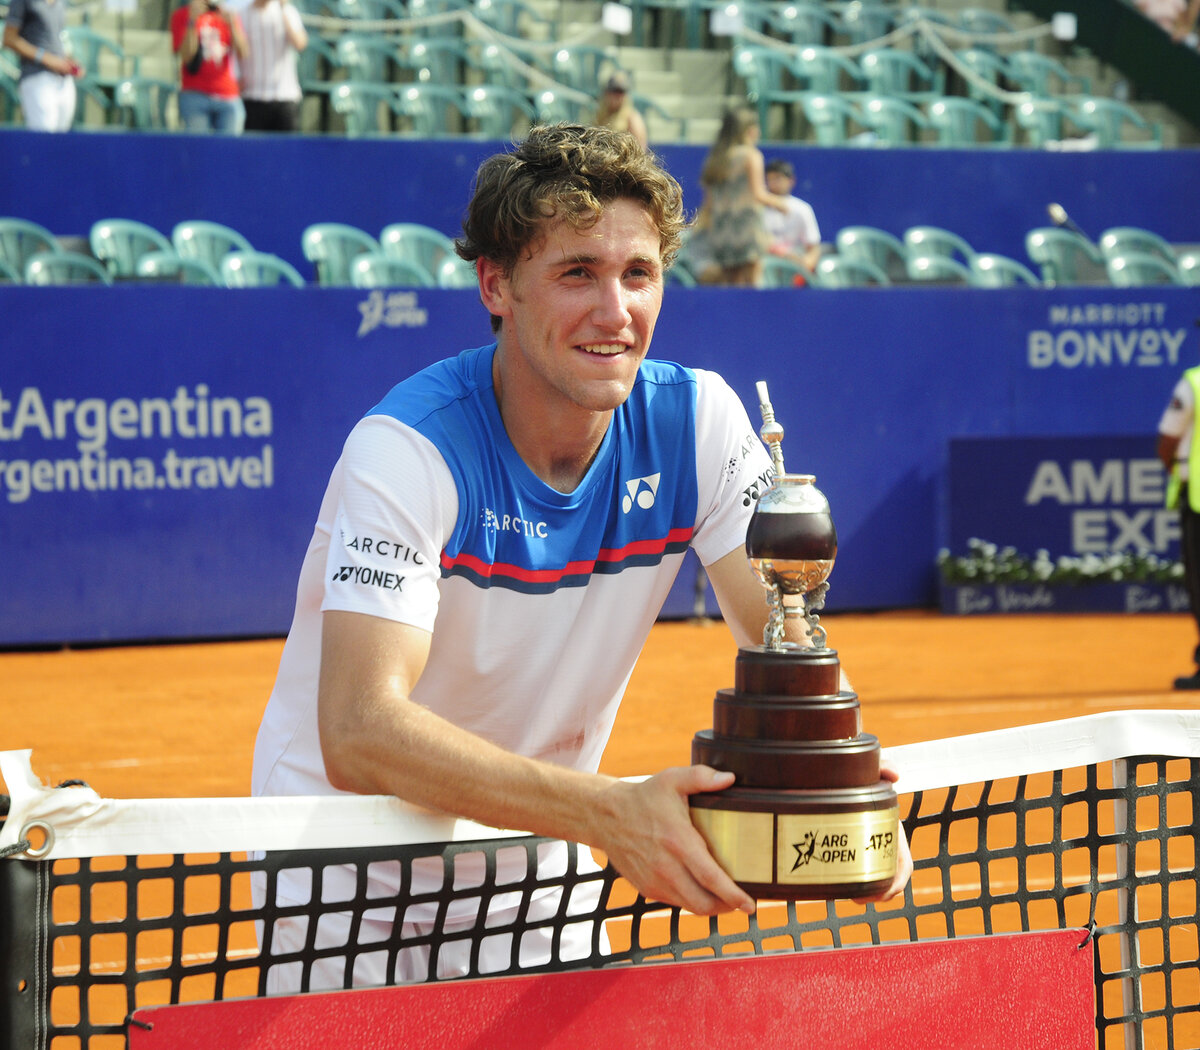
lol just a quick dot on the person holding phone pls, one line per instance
(206, 35)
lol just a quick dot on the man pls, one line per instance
(794, 234)
(530, 502)
(1180, 454)
(35, 31)
(275, 36)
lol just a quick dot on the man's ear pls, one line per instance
(494, 288)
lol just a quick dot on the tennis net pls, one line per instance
(108, 906)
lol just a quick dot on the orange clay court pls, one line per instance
(179, 720)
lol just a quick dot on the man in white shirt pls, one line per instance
(794, 235)
(276, 35)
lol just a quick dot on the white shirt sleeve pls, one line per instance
(396, 509)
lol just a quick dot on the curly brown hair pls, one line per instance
(568, 172)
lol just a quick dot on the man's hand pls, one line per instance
(904, 864)
(646, 831)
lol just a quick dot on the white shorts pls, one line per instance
(48, 101)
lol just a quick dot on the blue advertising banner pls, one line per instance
(1060, 523)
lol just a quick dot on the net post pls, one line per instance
(24, 1002)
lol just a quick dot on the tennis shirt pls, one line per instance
(539, 601)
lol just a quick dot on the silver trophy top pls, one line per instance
(791, 541)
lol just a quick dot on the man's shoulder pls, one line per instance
(443, 384)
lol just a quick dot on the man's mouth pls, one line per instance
(603, 349)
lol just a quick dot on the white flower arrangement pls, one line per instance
(989, 563)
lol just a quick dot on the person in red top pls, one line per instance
(206, 35)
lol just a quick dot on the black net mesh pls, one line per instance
(1110, 850)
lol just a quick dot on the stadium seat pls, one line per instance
(836, 271)
(119, 243)
(418, 245)
(1042, 75)
(892, 71)
(207, 242)
(937, 269)
(1119, 240)
(875, 246)
(365, 109)
(1064, 257)
(583, 67)
(168, 266)
(1042, 120)
(332, 247)
(765, 73)
(454, 272)
(105, 64)
(10, 97)
(56, 267)
(987, 66)
(258, 270)
(20, 239)
(1132, 269)
(865, 20)
(316, 64)
(376, 270)
(493, 61)
(933, 240)
(801, 23)
(431, 110)
(830, 117)
(778, 272)
(1114, 124)
(963, 121)
(369, 10)
(444, 59)
(368, 57)
(989, 270)
(894, 121)
(143, 103)
(1188, 264)
(8, 275)
(826, 70)
(553, 107)
(498, 112)
(513, 18)
(983, 23)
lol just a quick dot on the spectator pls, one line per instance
(735, 197)
(275, 35)
(1185, 19)
(617, 111)
(206, 35)
(34, 30)
(794, 234)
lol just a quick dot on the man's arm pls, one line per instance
(375, 740)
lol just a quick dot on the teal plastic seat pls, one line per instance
(258, 270)
(766, 74)
(1042, 75)
(864, 21)
(961, 121)
(1119, 240)
(1188, 265)
(989, 270)
(10, 97)
(144, 103)
(367, 57)
(875, 246)
(8, 275)
(837, 271)
(376, 270)
(1065, 257)
(418, 245)
(1041, 119)
(778, 272)
(1131, 269)
(369, 10)
(498, 112)
(105, 64)
(987, 66)
(934, 240)
(583, 67)
(824, 69)
(119, 243)
(207, 242)
(937, 269)
(169, 267)
(894, 121)
(454, 272)
(365, 108)
(514, 18)
(332, 247)
(984, 23)
(46, 268)
(830, 117)
(21, 239)
(443, 59)
(431, 110)
(555, 107)
(1114, 124)
(892, 71)
(801, 23)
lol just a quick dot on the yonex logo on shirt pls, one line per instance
(640, 491)
(369, 577)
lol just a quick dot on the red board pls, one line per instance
(1032, 990)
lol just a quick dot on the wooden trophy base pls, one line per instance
(809, 817)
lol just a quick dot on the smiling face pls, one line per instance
(578, 312)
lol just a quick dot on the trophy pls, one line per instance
(808, 817)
